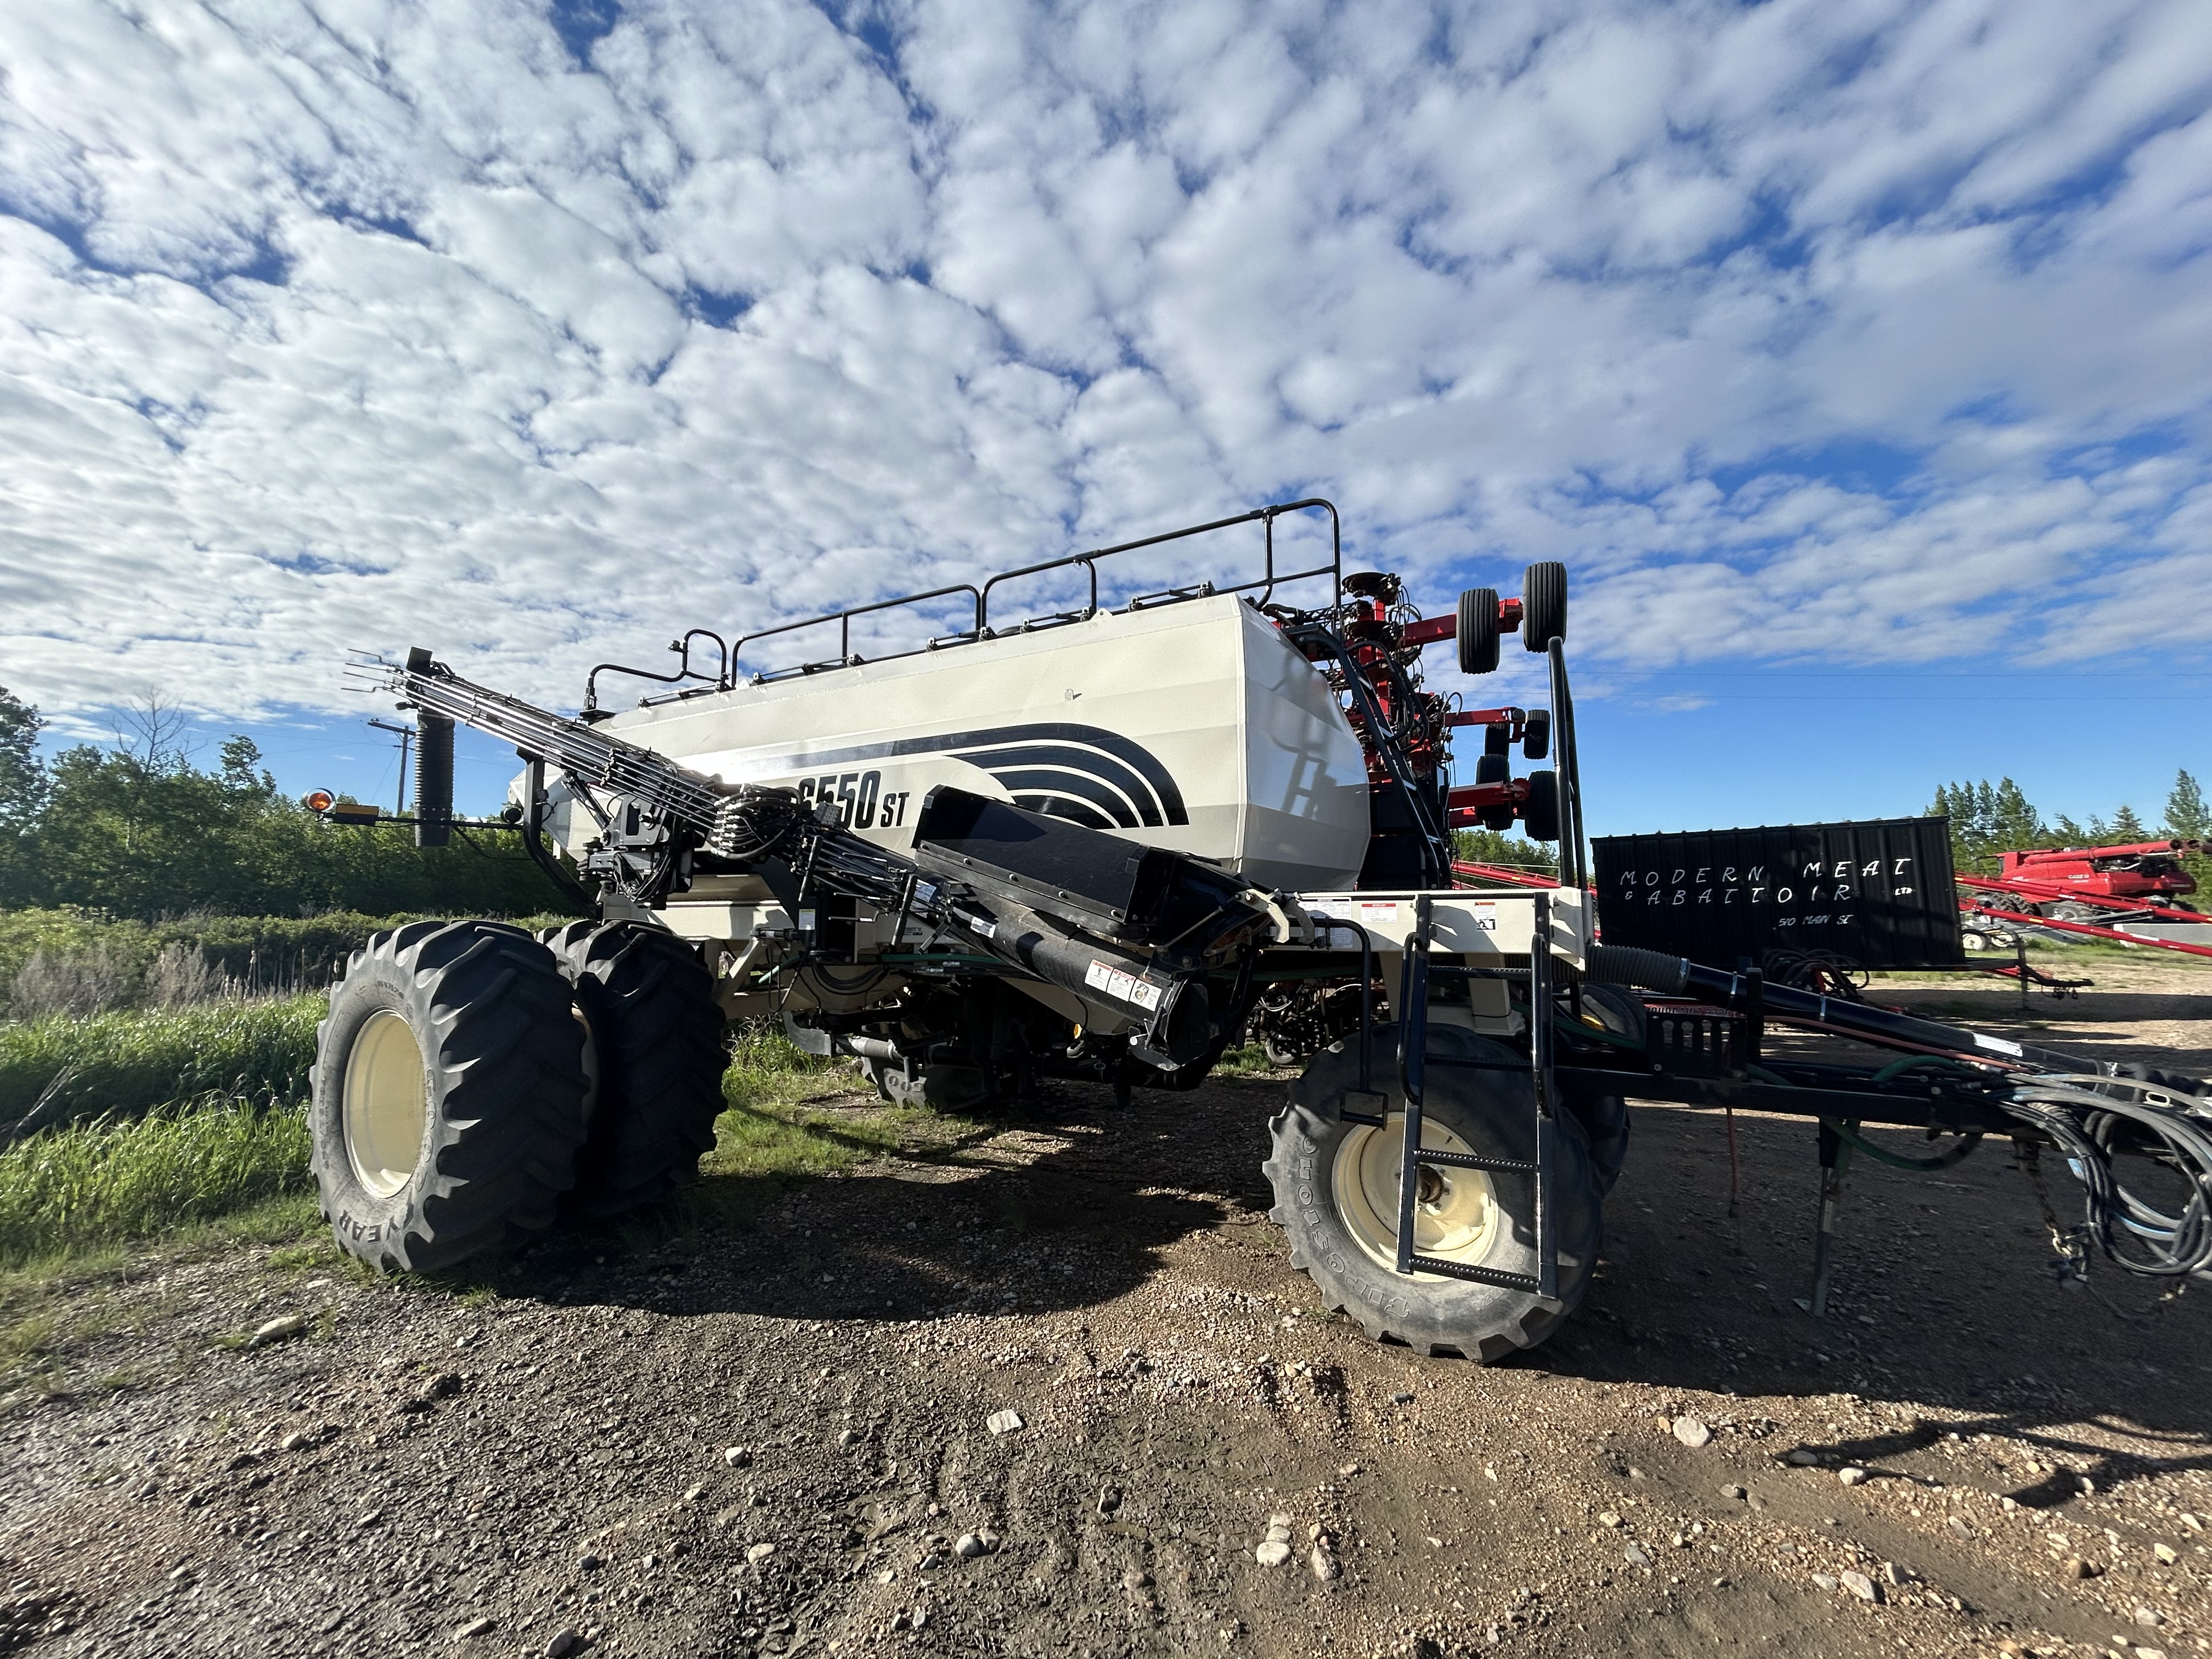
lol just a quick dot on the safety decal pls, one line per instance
(1121, 986)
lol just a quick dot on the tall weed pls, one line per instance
(255, 955)
(182, 975)
(72, 987)
(126, 1064)
(107, 1182)
(763, 1061)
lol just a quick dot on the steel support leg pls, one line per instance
(1835, 1163)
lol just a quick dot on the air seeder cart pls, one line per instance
(1100, 844)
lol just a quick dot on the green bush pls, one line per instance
(127, 1064)
(103, 1183)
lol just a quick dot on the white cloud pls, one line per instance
(1813, 331)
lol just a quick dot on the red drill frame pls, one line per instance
(1429, 630)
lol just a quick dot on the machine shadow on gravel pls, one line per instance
(1687, 1297)
(1690, 1296)
(911, 1237)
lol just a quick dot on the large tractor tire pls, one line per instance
(1605, 1118)
(656, 1029)
(1336, 1185)
(449, 1094)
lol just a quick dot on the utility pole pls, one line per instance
(406, 736)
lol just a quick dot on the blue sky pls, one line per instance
(1855, 356)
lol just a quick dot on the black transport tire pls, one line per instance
(1605, 1118)
(1478, 630)
(1493, 769)
(1543, 604)
(1605, 1121)
(656, 1035)
(1540, 813)
(448, 1094)
(1536, 734)
(1316, 1163)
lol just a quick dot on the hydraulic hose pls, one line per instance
(2086, 1125)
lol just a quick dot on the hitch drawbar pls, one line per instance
(2090, 1112)
(1131, 935)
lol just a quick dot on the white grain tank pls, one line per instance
(1191, 726)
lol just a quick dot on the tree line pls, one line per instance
(1988, 818)
(140, 830)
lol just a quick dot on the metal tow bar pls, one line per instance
(1413, 1060)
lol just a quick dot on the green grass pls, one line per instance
(74, 1189)
(781, 1125)
(125, 1063)
(775, 1125)
(85, 1204)
(1249, 1061)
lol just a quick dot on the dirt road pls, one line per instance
(779, 1439)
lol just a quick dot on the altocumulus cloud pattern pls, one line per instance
(1834, 330)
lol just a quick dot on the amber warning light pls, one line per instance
(340, 811)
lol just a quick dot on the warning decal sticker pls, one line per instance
(1121, 986)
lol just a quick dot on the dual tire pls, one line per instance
(471, 1083)
(657, 1036)
(1543, 619)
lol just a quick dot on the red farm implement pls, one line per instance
(2117, 893)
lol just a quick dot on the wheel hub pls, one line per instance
(384, 1111)
(1456, 1215)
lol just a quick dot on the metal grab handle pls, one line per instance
(1540, 1068)
(1412, 1052)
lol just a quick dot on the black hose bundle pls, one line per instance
(2089, 1124)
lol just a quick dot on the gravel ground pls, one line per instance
(781, 1439)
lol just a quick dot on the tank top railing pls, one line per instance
(981, 627)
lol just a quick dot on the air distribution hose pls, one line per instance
(2088, 1121)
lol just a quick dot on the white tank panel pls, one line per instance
(1192, 725)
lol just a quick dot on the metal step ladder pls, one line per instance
(1414, 1062)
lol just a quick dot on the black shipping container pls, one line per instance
(1878, 894)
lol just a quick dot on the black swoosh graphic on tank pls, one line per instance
(1003, 764)
(1079, 785)
(1060, 806)
(1136, 763)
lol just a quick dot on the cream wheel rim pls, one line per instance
(1456, 1215)
(385, 1110)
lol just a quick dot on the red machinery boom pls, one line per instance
(2139, 872)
